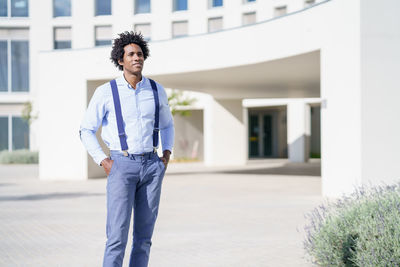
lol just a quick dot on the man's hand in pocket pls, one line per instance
(107, 164)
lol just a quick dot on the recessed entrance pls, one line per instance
(267, 133)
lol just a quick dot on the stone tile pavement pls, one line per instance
(235, 217)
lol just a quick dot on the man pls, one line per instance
(130, 109)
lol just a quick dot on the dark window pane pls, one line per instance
(20, 66)
(20, 134)
(180, 5)
(19, 8)
(3, 8)
(3, 67)
(103, 42)
(62, 8)
(3, 133)
(142, 6)
(217, 3)
(103, 7)
(62, 44)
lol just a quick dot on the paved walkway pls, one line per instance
(235, 217)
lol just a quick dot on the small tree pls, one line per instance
(177, 99)
(27, 113)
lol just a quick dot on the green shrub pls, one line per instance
(22, 156)
(360, 230)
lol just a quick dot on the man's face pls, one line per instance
(133, 59)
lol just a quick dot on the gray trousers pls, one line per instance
(134, 183)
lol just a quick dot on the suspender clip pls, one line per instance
(125, 153)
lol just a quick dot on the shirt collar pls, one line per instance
(121, 81)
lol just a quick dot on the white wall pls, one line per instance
(189, 137)
(380, 96)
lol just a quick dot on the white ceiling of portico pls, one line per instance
(296, 76)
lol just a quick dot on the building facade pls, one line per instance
(257, 64)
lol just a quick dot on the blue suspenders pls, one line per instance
(120, 122)
(157, 115)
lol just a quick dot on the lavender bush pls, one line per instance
(360, 230)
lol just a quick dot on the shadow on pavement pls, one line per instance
(49, 196)
(287, 169)
(295, 169)
(6, 184)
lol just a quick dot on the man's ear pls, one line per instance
(120, 62)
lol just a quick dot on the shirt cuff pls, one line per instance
(99, 158)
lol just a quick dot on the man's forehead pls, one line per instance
(132, 48)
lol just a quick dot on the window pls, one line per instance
(214, 24)
(249, 18)
(280, 11)
(215, 3)
(308, 3)
(180, 5)
(14, 133)
(3, 133)
(18, 8)
(62, 37)
(142, 6)
(14, 58)
(3, 66)
(145, 29)
(103, 7)
(179, 29)
(3, 8)
(20, 66)
(20, 133)
(103, 35)
(61, 8)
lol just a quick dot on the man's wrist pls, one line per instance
(166, 154)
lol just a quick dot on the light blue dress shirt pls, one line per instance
(138, 112)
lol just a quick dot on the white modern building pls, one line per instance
(271, 75)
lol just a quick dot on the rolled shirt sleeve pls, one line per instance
(167, 131)
(90, 124)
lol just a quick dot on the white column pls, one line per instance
(299, 130)
(380, 91)
(340, 107)
(225, 141)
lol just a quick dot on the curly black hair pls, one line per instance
(125, 38)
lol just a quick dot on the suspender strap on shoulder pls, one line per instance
(118, 114)
(157, 114)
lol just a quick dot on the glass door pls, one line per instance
(267, 135)
(254, 130)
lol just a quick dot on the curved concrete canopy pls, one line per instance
(296, 76)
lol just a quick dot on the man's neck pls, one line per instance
(132, 79)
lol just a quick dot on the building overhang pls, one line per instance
(295, 76)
